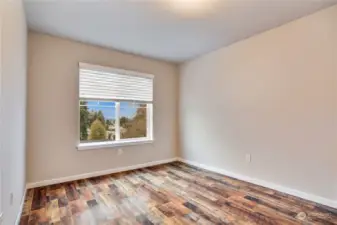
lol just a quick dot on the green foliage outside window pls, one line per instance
(97, 130)
(94, 126)
(84, 121)
(135, 127)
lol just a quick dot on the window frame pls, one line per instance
(121, 142)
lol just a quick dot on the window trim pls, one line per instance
(114, 144)
(121, 142)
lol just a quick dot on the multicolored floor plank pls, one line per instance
(168, 194)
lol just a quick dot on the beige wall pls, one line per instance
(274, 96)
(53, 109)
(13, 37)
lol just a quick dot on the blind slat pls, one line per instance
(106, 79)
(88, 83)
(107, 83)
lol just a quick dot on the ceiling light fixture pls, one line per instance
(192, 7)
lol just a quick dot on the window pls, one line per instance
(115, 107)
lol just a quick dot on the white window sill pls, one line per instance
(112, 144)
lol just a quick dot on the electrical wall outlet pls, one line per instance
(11, 199)
(248, 158)
(120, 151)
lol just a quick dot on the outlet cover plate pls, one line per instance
(248, 158)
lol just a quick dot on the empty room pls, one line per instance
(119, 112)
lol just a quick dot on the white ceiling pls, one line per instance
(151, 29)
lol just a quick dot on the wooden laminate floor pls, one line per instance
(169, 194)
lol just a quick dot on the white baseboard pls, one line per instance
(290, 191)
(97, 173)
(18, 218)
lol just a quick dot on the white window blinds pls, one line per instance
(97, 82)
